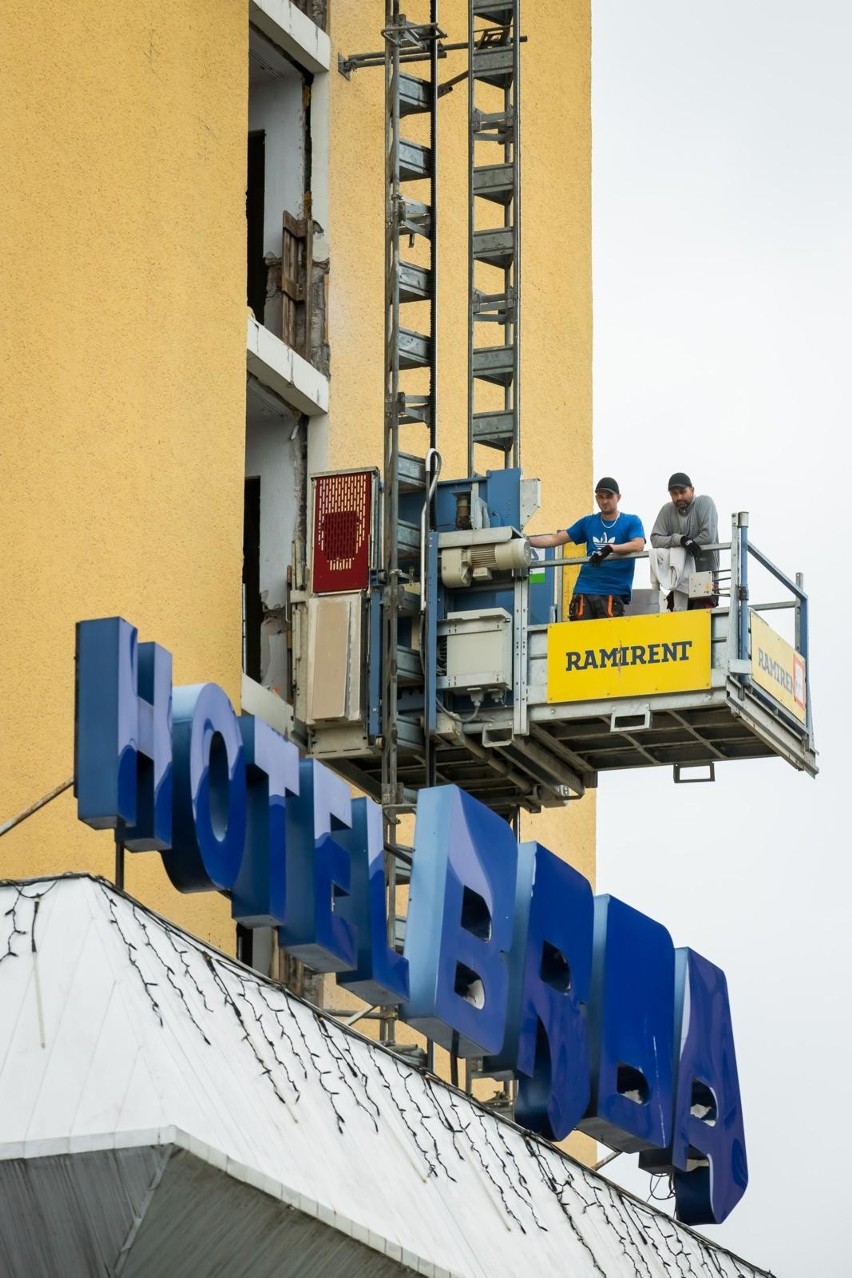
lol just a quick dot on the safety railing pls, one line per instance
(732, 579)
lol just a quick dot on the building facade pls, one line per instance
(160, 436)
(198, 207)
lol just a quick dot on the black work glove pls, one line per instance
(597, 558)
(691, 546)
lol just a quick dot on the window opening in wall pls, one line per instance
(255, 182)
(256, 947)
(252, 604)
(275, 469)
(277, 173)
(316, 10)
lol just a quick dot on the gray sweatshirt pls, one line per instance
(701, 522)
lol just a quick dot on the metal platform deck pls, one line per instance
(566, 744)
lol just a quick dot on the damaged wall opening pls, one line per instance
(277, 178)
(252, 604)
(256, 269)
(275, 469)
(286, 288)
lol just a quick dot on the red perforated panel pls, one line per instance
(342, 531)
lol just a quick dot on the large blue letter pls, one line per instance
(459, 927)
(381, 975)
(260, 892)
(550, 976)
(123, 734)
(708, 1121)
(210, 792)
(632, 1029)
(318, 871)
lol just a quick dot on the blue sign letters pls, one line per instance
(507, 955)
(123, 742)
(459, 926)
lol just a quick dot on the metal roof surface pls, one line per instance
(164, 1110)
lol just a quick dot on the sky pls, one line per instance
(722, 214)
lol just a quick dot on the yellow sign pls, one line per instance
(628, 656)
(777, 667)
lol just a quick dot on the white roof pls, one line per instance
(177, 1102)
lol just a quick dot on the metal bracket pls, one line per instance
(494, 738)
(636, 721)
(421, 35)
(678, 770)
(360, 61)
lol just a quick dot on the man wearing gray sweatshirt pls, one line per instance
(691, 522)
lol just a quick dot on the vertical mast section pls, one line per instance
(411, 288)
(494, 227)
(390, 556)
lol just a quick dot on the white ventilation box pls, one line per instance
(334, 658)
(479, 650)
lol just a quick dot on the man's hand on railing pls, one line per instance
(599, 555)
(691, 546)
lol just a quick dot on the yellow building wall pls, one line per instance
(123, 320)
(556, 327)
(556, 324)
(122, 226)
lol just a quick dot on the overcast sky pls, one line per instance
(722, 162)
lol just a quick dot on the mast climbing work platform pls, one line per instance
(529, 709)
(445, 658)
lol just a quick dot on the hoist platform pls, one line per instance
(567, 743)
(524, 710)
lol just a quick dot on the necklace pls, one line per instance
(614, 522)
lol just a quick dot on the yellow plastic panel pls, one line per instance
(628, 656)
(777, 667)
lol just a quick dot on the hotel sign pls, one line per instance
(508, 955)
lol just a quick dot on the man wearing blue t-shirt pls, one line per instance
(606, 578)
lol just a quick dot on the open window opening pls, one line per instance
(284, 289)
(275, 470)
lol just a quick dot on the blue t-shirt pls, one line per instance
(615, 575)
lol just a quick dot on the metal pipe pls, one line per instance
(733, 612)
(802, 647)
(119, 855)
(432, 456)
(353, 1020)
(742, 592)
(776, 572)
(801, 617)
(363, 61)
(560, 561)
(36, 807)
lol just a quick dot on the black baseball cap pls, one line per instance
(680, 479)
(608, 485)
